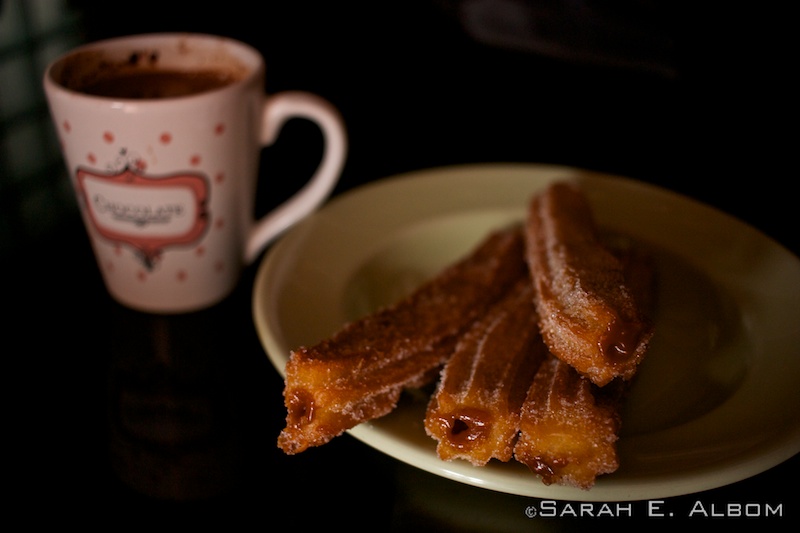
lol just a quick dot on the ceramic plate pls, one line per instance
(715, 400)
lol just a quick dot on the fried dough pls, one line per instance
(474, 413)
(588, 316)
(359, 373)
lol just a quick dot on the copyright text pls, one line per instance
(655, 509)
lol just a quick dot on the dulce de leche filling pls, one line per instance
(466, 427)
(620, 341)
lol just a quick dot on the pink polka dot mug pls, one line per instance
(162, 137)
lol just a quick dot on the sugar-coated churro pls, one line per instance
(588, 316)
(359, 373)
(474, 413)
(535, 337)
(569, 426)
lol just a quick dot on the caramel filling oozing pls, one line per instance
(620, 341)
(466, 428)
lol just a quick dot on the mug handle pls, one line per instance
(278, 109)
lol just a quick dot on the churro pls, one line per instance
(359, 373)
(569, 426)
(535, 337)
(588, 316)
(474, 413)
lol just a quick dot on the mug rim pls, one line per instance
(249, 58)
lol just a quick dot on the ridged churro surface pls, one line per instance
(474, 413)
(569, 426)
(359, 373)
(535, 337)
(588, 316)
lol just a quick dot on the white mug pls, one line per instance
(165, 171)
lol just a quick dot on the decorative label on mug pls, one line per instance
(148, 213)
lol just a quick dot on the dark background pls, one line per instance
(691, 97)
(696, 100)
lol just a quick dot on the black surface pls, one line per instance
(100, 395)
